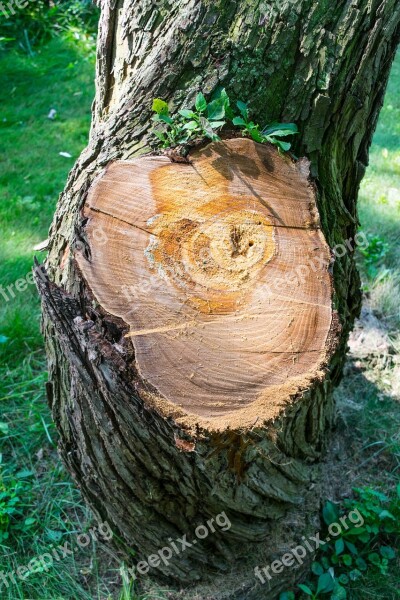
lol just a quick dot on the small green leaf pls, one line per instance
(227, 103)
(3, 339)
(160, 106)
(317, 568)
(244, 111)
(357, 531)
(24, 473)
(278, 133)
(335, 559)
(4, 428)
(325, 562)
(188, 114)
(30, 521)
(255, 134)
(217, 124)
(238, 121)
(164, 119)
(351, 547)
(201, 103)
(347, 560)
(287, 128)
(216, 110)
(285, 146)
(361, 564)
(339, 546)
(385, 514)
(369, 492)
(387, 552)
(305, 589)
(325, 583)
(339, 593)
(161, 136)
(374, 558)
(389, 527)
(355, 574)
(343, 579)
(190, 125)
(54, 535)
(287, 596)
(374, 528)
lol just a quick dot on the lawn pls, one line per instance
(35, 491)
(379, 207)
(39, 504)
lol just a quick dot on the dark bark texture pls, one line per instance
(322, 64)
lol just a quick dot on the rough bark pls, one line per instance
(323, 65)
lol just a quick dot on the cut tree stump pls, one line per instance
(222, 273)
(197, 358)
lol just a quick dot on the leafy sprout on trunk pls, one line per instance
(206, 119)
(271, 133)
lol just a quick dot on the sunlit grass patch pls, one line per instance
(379, 207)
(32, 170)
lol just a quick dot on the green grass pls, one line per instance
(59, 76)
(48, 506)
(369, 411)
(368, 404)
(379, 205)
(32, 171)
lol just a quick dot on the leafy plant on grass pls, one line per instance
(206, 119)
(366, 545)
(374, 253)
(38, 21)
(13, 505)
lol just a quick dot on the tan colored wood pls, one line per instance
(221, 270)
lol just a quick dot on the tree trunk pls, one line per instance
(163, 430)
